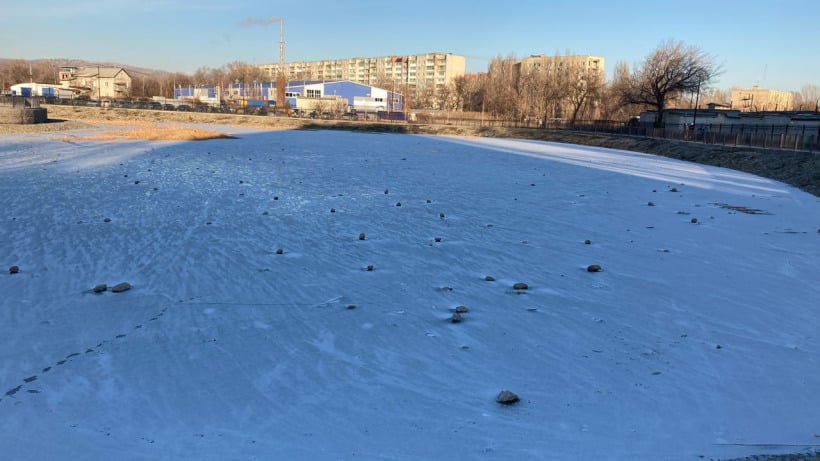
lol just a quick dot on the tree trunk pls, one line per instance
(659, 122)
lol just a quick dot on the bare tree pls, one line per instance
(475, 92)
(612, 106)
(808, 98)
(669, 72)
(457, 89)
(17, 72)
(583, 89)
(501, 96)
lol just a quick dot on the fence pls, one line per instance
(797, 136)
(790, 137)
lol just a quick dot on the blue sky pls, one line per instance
(773, 44)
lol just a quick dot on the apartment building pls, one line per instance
(583, 64)
(756, 99)
(429, 70)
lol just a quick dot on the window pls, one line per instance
(314, 93)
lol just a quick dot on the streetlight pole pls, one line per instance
(695, 114)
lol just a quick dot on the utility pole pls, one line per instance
(280, 79)
(695, 114)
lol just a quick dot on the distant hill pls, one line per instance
(59, 62)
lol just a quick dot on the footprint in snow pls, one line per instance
(30, 379)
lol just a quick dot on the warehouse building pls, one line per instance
(40, 89)
(303, 96)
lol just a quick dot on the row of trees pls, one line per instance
(559, 87)
(567, 88)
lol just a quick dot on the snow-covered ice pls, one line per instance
(700, 336)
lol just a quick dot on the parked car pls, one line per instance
(184, 108)
(168, 107)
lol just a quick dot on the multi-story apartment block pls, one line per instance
(430, 70)
(583, 64)
(757, 99)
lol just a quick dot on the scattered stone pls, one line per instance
(456, 318)
(398, 203)
(437, 239)
(650, 204)
(441, 215)
(369, 268)
(279, 251)
(350, 307)
(489, 278)
(462, 310)
(107, 220)
(507, 398)
(14, 270)
(594, 268)
(136, 181)
(718, 347)
(694, 220)
(587, 242)
(100, 288)
(520, 286)
(120, 287)
(386, 191)
(429, 201)
(361, 236)
(276, 197)
(265, 213)
(674, 189)
(333, 210)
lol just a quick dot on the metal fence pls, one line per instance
(798, 136)
(790, 137)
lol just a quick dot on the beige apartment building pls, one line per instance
(429, 70)
(584, 64)
(758, 99)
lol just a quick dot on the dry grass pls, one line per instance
(130, 130)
